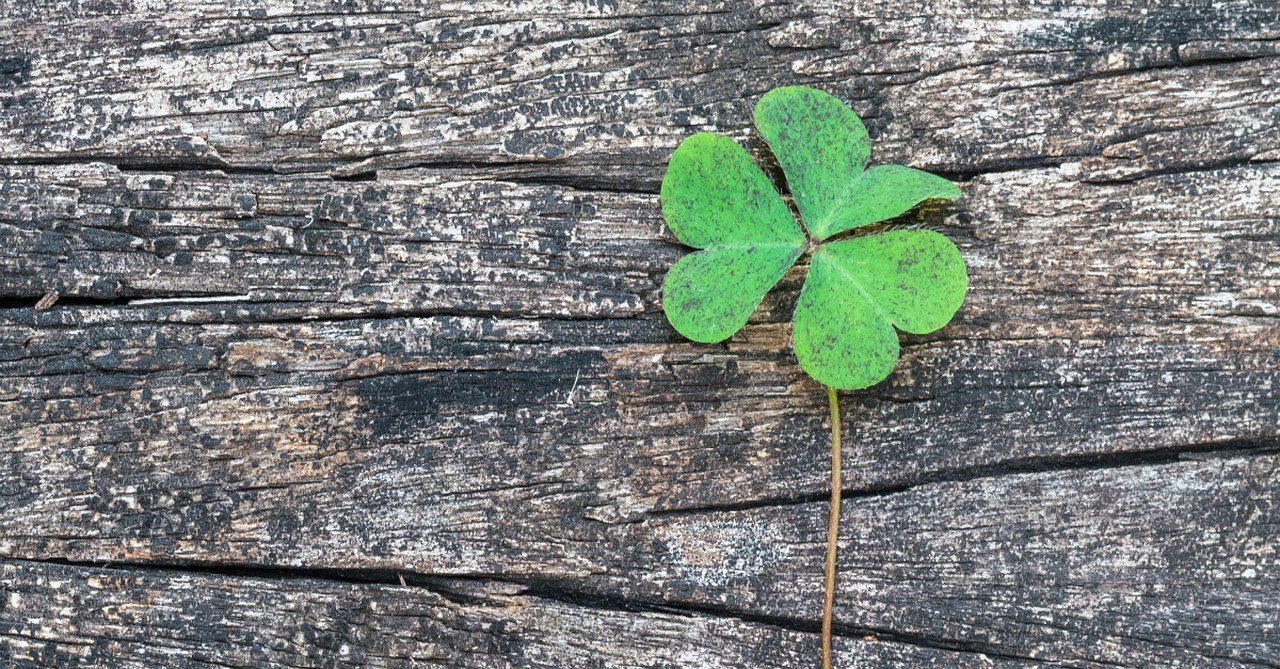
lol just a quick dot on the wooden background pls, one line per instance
(357, 356)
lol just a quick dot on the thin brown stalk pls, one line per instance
(833, 529)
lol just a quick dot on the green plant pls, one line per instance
(863, 280)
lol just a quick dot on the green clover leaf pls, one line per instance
(715, 198)
(859, 288)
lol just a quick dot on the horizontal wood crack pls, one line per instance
(1236, 448)
(462, 590)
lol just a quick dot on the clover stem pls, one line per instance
(833, 529)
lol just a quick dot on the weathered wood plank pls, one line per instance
(273, 419)
(1168, 565)
(488, 387)
(424, 242)
(1172, 565)
(604, 91)
(1116, 259)
(59, 615)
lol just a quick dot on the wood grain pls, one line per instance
(353, 292)
(603, 88)
(58, 615)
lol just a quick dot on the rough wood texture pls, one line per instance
(144, 618)
(296, 299)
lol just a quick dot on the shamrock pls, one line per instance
(859, 287)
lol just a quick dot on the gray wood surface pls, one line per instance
(330, 334)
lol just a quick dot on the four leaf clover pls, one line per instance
(859, 286)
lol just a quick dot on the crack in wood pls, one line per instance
(1161, 455)
(462, 589)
